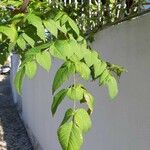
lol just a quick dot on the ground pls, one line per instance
(13, 135)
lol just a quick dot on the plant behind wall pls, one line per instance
(40, 32)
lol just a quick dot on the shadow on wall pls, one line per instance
(13, 135)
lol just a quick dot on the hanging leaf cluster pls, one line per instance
(42, 33)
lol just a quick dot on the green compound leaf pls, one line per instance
(83, 120)
(83, 70)
(62, 75)
(112, 87)
(51, 26)
(69, 113)
(30, 69)
(70, 136)
(58, 98)
(44, 59)
(19, 80)
(29, 40)
(89, 99)
(10, 32)
(37, 22)
(74, 26)
(75, 92)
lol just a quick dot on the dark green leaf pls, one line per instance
(63, 74)
(58, 98)
(69, 113)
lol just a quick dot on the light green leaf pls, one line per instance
(75, 92)
(91, 58)
(74, 26)
(83, 70)
(29, 40)
(11, 46)
(69, 113)
(76, 49)
(58, 98)
(21, 42)
(61, 28)
(89, 99)
(10, 32)
(103, 77)
(61, 49)
(37, 22)
(51, 27)
(59, 15)
(70, 136)
(30, 69)
(112, 87)
(64, 47)
(83, 120)
(19, 79)
(64, 19)
(99, 68)
(44, 59)
(63, 74)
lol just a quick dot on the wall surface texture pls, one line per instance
(120, 125)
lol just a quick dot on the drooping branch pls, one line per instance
(23, 7)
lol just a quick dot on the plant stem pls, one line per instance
(74, 102)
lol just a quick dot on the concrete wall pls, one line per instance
(123, 125)
(14, 67)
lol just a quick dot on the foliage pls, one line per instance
(93, 15)
(41, 33)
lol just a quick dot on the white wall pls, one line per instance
(123, 125)
(14, 67)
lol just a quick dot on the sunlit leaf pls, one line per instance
(37, 22)
(44, 59)
(70, 136)
(75, 92)
(30, 69)
(83, 120)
